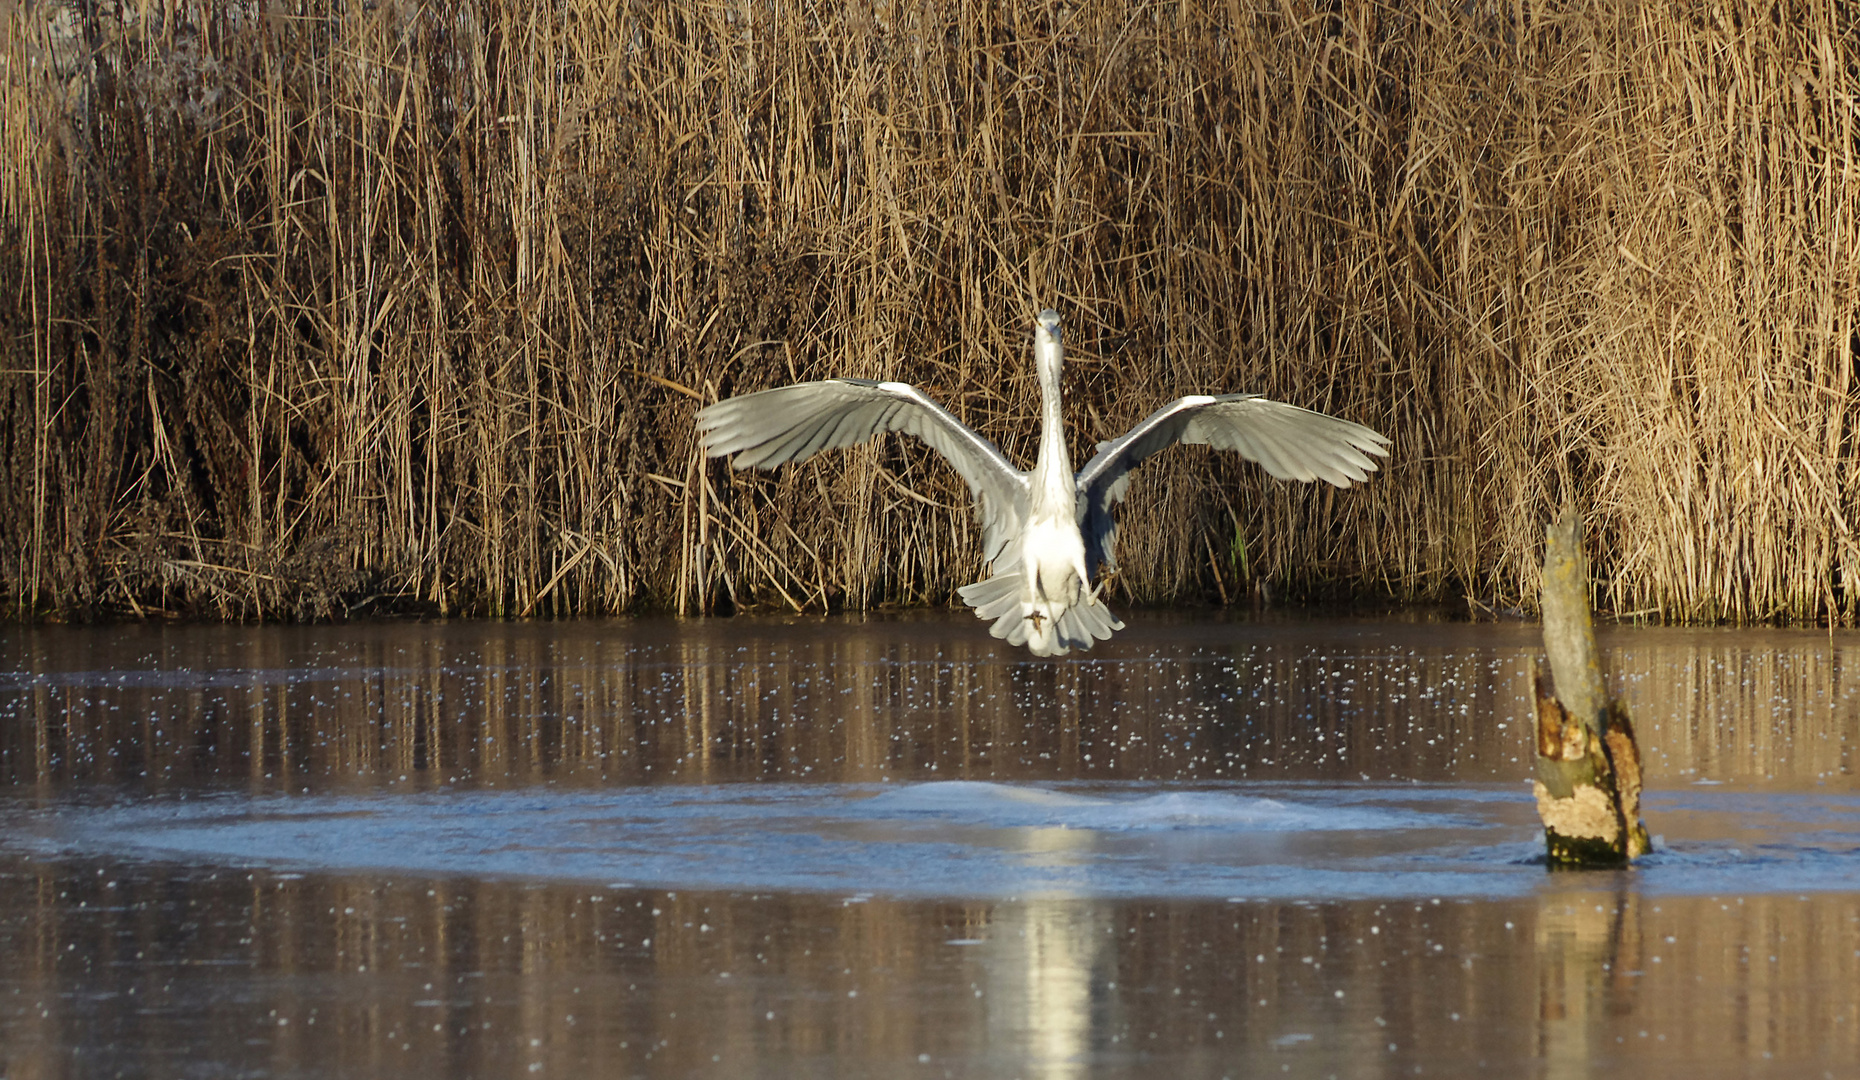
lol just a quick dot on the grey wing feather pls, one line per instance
(1290, 443)
(793, 423)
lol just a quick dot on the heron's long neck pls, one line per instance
(1052, 472)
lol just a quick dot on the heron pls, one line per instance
(1044, 532)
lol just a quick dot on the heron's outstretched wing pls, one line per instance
(792, 423)
(1289, 442)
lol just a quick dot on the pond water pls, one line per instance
(892, 846)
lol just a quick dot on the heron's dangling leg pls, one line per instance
(1036, 616)
(1087, 593)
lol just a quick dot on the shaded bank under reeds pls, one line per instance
(333, 308)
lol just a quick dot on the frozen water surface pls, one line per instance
(957, 839)
(977, 839)
(892, 847)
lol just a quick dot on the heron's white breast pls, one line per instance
(1051, 548)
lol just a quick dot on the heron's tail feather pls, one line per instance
(1047, 627)
(1085, 622)
(993, 597)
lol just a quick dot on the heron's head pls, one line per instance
(1046, 325)
(1046, 349)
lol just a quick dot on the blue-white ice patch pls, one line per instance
(978, 840)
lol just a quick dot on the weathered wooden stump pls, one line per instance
(1588, 764)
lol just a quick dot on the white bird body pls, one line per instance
(1053, 577)
(1043, 532)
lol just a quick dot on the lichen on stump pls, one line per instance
(1588, 763)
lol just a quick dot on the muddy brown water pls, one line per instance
(893, 847)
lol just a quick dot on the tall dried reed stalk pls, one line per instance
(339, 307)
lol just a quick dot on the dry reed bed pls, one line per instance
(341, 307)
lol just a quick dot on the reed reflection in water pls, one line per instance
(654, 701)
(843, 700)
(267, 974)
(159, 966)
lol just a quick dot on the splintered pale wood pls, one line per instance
(1588, 763)
(1587, 787)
